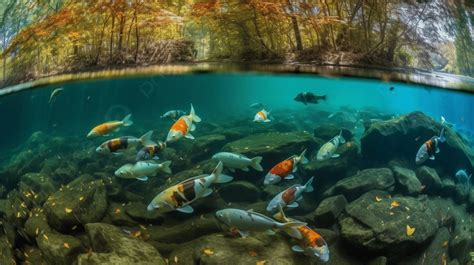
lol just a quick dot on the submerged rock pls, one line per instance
(239, 191)
(429, 178)
(59, 249)
(379, 224)
(112, 246)
(36, 187)
(207, 145)
(435, 253)
(76, 205)
(328, 210)
(364, 181)
(6, 254)
(402, 136)
(407, 181)
(217, 249)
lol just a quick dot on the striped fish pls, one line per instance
(117, 145)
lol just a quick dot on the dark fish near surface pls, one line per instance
(308, 97)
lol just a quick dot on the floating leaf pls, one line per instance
(45, 236)
(66, 245)
(410, 230)
(208, 251)
(378, 199)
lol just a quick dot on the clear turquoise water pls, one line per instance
(216, 97)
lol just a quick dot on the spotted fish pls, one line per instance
(290, 196)
(285, 169)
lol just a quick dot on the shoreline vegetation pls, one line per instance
(41, 39)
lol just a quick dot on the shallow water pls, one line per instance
(50, 139)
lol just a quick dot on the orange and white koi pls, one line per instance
(183, 126)
(262, 116)
(284, 169)
(117, 145)
(111, 126)
(290, 196)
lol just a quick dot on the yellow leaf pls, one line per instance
(67, 210)
(394, 204)
(445, 243)
(117, 211)
(410, 230)
(81, 198)
(252, 253)
(45, 236)
(208, 251)
(261, 262)
(66, 245)
(377, 198)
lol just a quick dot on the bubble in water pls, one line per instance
(116, 113)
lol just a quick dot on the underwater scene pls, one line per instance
(239, 168)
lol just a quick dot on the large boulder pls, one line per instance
(380, 225)
(205, 146)
(217, 249)
(328, 210)
(429, 179)
(364, 181)
(6, 255)
(36, 187)
(239, 191)
(112, 246)
(401, 137)
(435, 253)
(273, 146)
(76, 205)
(406, 179)
(59, 249)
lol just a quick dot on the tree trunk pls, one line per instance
(111, 45)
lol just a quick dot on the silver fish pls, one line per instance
(429, 148)
(290, 196)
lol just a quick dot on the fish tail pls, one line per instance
(341, 139)
(256, 163)
(308, 187)
(218, 176)
(146, 139)
(280, 216)
(325, 97)
(165, 166)
(442, 138)
(194, 117)
(127, 121)
(291, 228)
(302, 157)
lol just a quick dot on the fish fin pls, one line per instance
(194, 117)
(127, 121)
(299, 198)
(442, 138)
(295, 168)
(143, 178)
(250, 211)
(165, 167)
(432, 157)
(437, 150)
(267, 120)
(193, 128)
(156, 158)
(117, 153)
(302, 158)
(293, 205)
(290, 177)
(270, 232)
(245, 169)
(221, 178)
(308, 186)
(243, 233)
(189, 136)
(341, 139)
(297, 248)
(146, 139)
(185, 209)
(206, 193)
(291, 228)
(256, 163)
(232, 169)
(335, 156)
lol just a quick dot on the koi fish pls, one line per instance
(262, 116)
(117, 145)
(183, 126)
(142, 169)
(54, 95)
(243, 221)
(308, 97)
(310, 243)
(149, 152)
(290, 196)
(428, 149)
(180, 196)
(237, 161)
(257, 105)
(173, 114)
(111, 126)
(284, 169)
(328, 150)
